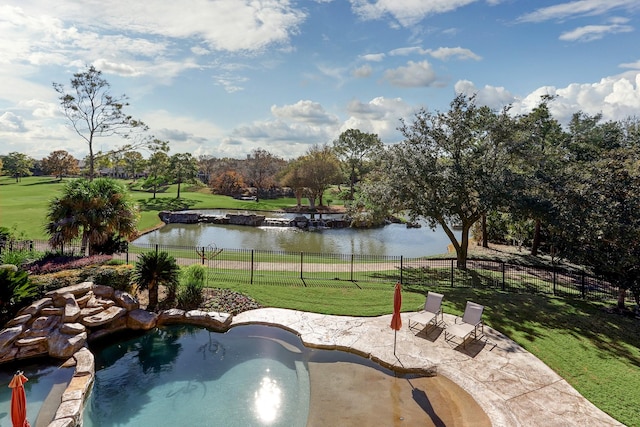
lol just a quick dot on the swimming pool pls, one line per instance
(183, 375)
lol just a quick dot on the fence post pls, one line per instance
(301, 260)
(156, 249)
(503, 274)
(31, 245)
(452, 273)
(127, 255)
(351, 278)
(251, 280)
(401, 269)
(203, 255)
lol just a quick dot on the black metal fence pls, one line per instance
(364, 271)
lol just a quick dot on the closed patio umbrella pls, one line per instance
(18, 400)
(396, 320)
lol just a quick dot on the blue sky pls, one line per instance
(225, 77)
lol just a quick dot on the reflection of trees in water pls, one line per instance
(393, 239)
(174, 365)
(157, 352)
(129, 370)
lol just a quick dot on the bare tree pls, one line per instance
(94, 112)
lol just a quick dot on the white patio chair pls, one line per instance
(469, 324)
(429, 314)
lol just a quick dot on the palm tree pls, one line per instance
(95, 210)
(155, 269)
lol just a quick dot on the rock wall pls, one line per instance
(61, 325)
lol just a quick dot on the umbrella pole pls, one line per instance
(395, 334)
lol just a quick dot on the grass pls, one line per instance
(596, 352)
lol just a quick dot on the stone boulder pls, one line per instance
(141, 320)
(173, 315)
(85, 362)
(102, 318)
(123, 299)
(63, 346)
(77, 290)
(71, 309)
(210, 319)
(103, 291)
(36, 306)
(9, 335)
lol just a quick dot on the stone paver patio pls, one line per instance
(512, 386)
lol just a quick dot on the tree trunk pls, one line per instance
(485, 235)
(536, 238)
(84, 243)
(153, 298)
(178, 196)
(463, 249)
(622, 293)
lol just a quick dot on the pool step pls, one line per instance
(50, 405)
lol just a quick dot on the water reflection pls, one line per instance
(268, 399)
(391, 240)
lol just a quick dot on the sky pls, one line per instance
(225, 77)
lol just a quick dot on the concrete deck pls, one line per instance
(511, 385)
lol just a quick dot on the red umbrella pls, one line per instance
(396, 320)
(18, 401)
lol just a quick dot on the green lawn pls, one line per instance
(23, 205)
(596, 352)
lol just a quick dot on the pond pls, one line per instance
(390, 240)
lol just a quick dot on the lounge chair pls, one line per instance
(469, 324)
(429, 314)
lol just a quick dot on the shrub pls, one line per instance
(118, 277)
(15, 289)
(54, 262)
(19, 257)
(59, 279)
(192, 280)
(155, 269)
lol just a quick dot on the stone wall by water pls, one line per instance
(61, 325)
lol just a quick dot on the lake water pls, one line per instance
(390, 240)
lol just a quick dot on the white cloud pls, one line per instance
(414, 74)
(304, 111)
(363, 72)
(635, 65)
(577, 8)
(225, 25)
(9, 122)
(615, 97)
(594, 32)
(404, 51)
(492, 96)
(445, 53)
(380, 116)
(293, 129)
(373, 57)
(406, 12)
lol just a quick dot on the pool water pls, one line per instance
(46, 384)
(189, 376)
